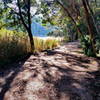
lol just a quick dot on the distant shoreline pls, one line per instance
(49, 37)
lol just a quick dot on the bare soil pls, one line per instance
(61, 74)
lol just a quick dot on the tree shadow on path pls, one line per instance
(75, 59)
(86, 87)
(9, 75)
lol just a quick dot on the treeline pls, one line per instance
(72, 19)
(79, 20)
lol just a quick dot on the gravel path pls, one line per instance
(61, 74)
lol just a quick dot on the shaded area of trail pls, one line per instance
(60, 74)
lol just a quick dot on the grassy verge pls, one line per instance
(14, 45)
(45, 44)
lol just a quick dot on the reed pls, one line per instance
(14, 45)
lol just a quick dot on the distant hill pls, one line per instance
(38, 30)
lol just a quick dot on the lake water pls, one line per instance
(38, 30)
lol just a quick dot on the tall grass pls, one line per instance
(14, 45)
(44, 44)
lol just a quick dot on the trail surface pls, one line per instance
(61, 74)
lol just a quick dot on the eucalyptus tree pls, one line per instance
(81, 14)
(50, 11)
(73, 9)
(53, 17)
(24, 11)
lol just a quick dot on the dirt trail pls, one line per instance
(61, 74)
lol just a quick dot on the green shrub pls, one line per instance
(87, 46)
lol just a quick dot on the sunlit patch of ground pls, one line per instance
(60, 74)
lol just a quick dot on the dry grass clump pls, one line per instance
(44, 44)
(14, 45)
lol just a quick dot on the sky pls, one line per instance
(14, 6)
(33, 9)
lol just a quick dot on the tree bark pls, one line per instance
(29, 23)
(27, 26)
(31, 40)
(73, 20)
(92, 16)
(90, 26)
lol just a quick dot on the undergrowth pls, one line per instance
(14, 45)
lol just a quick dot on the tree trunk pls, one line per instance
(90, 26)
(73, 20)
(92, 16)
(27, 26)
(31, 40)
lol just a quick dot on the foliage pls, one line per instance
(14, 45)
(51, 43)
(44, 44)
(84, 16)
(86, 45)
(69, 18)
(98, 46)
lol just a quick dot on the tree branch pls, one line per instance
(29, 14)
(20, 14)
(70, 16)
